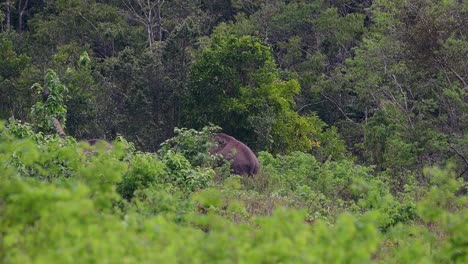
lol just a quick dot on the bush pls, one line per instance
(145, 170)
(175, 213)
(192, 144)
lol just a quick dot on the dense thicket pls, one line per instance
(61, 201)
(390, 75)
(346, 102)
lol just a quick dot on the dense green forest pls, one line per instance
(356, 109)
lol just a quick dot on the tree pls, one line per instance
(309, 39)
(148, 13)
(406, 85)
(78, 74)
(235, 84)
(148, 86)
(18, 13)
(17, 74)
(95, 25)
(22, 6)
(49, 114)
(8, 13)
(219, 10)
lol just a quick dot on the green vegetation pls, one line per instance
(357, 111)
(60, 203)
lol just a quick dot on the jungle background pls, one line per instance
(357, 109)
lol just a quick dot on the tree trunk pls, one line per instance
(20, 22)
(58, 127)
(8, 14)
(21, 13)
(159, 21)
(150, 35)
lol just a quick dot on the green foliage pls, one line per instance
(333, 179)
(17, 74)
(275, 71)
(182, 163)
(238, 79)
(358, 97)
(93, 24)
(233, 77)
(192, 144)
(332, 144)
(18, 129)
(44, 112)
(442, 196)
(161, 200)
(146, 170)
(339, 31)
(443, 214)
(172, 170)
(170, 215)
(76, 69)
(183, 175)
(402, 82)
(334, 185)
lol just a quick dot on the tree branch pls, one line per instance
(307, 105)
(463, 158)
(459, 77)
(337, 106)
(58, 127)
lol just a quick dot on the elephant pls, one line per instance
(243, 160)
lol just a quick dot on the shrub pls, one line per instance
(192, 144)
(144, 170)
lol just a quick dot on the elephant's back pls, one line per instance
(245, 158)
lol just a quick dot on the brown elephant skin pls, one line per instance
(243, 160)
